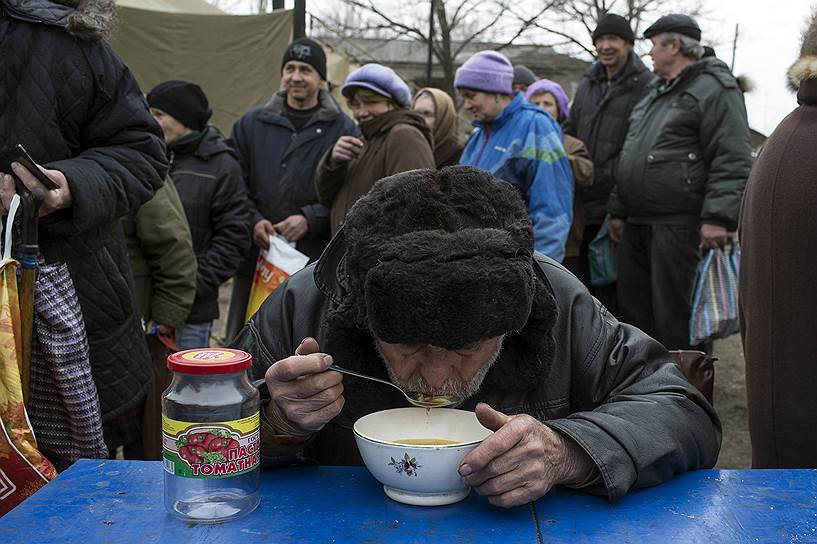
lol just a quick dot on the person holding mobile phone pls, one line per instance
(71, 102)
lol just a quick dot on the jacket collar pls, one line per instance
(633, 66)
(329, 272)
(688, 73)
(92, 20)
(516, 104)
(208, 144)
(383, 123)
(273, 111)
(807, 93)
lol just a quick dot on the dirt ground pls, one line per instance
(730, 402)
(730, 392)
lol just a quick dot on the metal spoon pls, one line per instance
(416, 398)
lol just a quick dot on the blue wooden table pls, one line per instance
(121, 501)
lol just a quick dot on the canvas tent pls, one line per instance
(235, 59)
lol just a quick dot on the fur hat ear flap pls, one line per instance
(806, 66)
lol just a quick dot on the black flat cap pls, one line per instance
(675, 22)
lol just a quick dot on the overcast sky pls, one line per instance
(768, 43)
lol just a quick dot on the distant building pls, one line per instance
(408, 58)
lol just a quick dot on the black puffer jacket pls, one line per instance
(279, 164)
(687, 155)
(208, 179)
(76, 108)
(599, 117)
(605, 384)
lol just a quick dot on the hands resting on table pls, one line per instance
(519, 463)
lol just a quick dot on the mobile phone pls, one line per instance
(19, 154)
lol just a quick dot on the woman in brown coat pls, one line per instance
(550, 96)
(778, 294)
(395, 140)
(437, 108)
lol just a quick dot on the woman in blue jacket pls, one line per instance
(519, 143)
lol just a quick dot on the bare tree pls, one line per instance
(573, 21)
(457, 24)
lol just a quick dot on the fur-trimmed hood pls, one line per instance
(85, 19)
(806, 66)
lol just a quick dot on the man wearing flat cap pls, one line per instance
(433, 283)
(607, 93)
(679, 180)
(279, 146)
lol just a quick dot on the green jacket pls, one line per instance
(687, 154)
(161, 253)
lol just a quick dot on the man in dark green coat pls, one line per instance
(679, 180)
(164, 272)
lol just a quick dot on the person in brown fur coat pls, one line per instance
(777, 289)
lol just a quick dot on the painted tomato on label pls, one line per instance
(190, 454)
(200, 439)
(221, 445)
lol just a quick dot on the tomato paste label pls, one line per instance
(211, 450)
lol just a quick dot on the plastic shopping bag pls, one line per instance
(64, 405)
(23, 468)
(715, 299)
(601, 255)
(274, 265)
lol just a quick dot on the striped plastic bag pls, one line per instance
(715, 299)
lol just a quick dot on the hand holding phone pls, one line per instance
(19, 155)
(25, 176)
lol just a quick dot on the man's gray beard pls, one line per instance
(453, 386)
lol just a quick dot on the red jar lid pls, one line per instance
(209, 361)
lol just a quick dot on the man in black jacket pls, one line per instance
(279, 146)
(433, 283)
(679, 179)
(208, 179)
(72, 103)
(598, 117)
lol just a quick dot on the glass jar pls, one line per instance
(210, 436)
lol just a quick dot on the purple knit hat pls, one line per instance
(548, 86)
(380, 79)
(486, 71)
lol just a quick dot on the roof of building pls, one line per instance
(542, 60)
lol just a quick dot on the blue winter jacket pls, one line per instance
(523, 146)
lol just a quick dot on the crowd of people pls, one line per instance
(464, 271)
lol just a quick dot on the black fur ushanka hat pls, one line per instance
(439, 257)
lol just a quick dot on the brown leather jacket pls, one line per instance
(605, 384)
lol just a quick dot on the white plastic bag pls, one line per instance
(274, 265)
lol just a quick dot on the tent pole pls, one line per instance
(299, 20)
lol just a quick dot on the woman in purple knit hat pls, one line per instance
(550, 96)
(394, 139)
(519, 143)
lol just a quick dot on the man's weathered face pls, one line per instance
(171, 127)
(612, 51)
(437, 371)
(300, 81)
(663, 55)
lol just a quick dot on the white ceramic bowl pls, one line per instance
(413, 474)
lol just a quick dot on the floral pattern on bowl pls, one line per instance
(407, 465)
